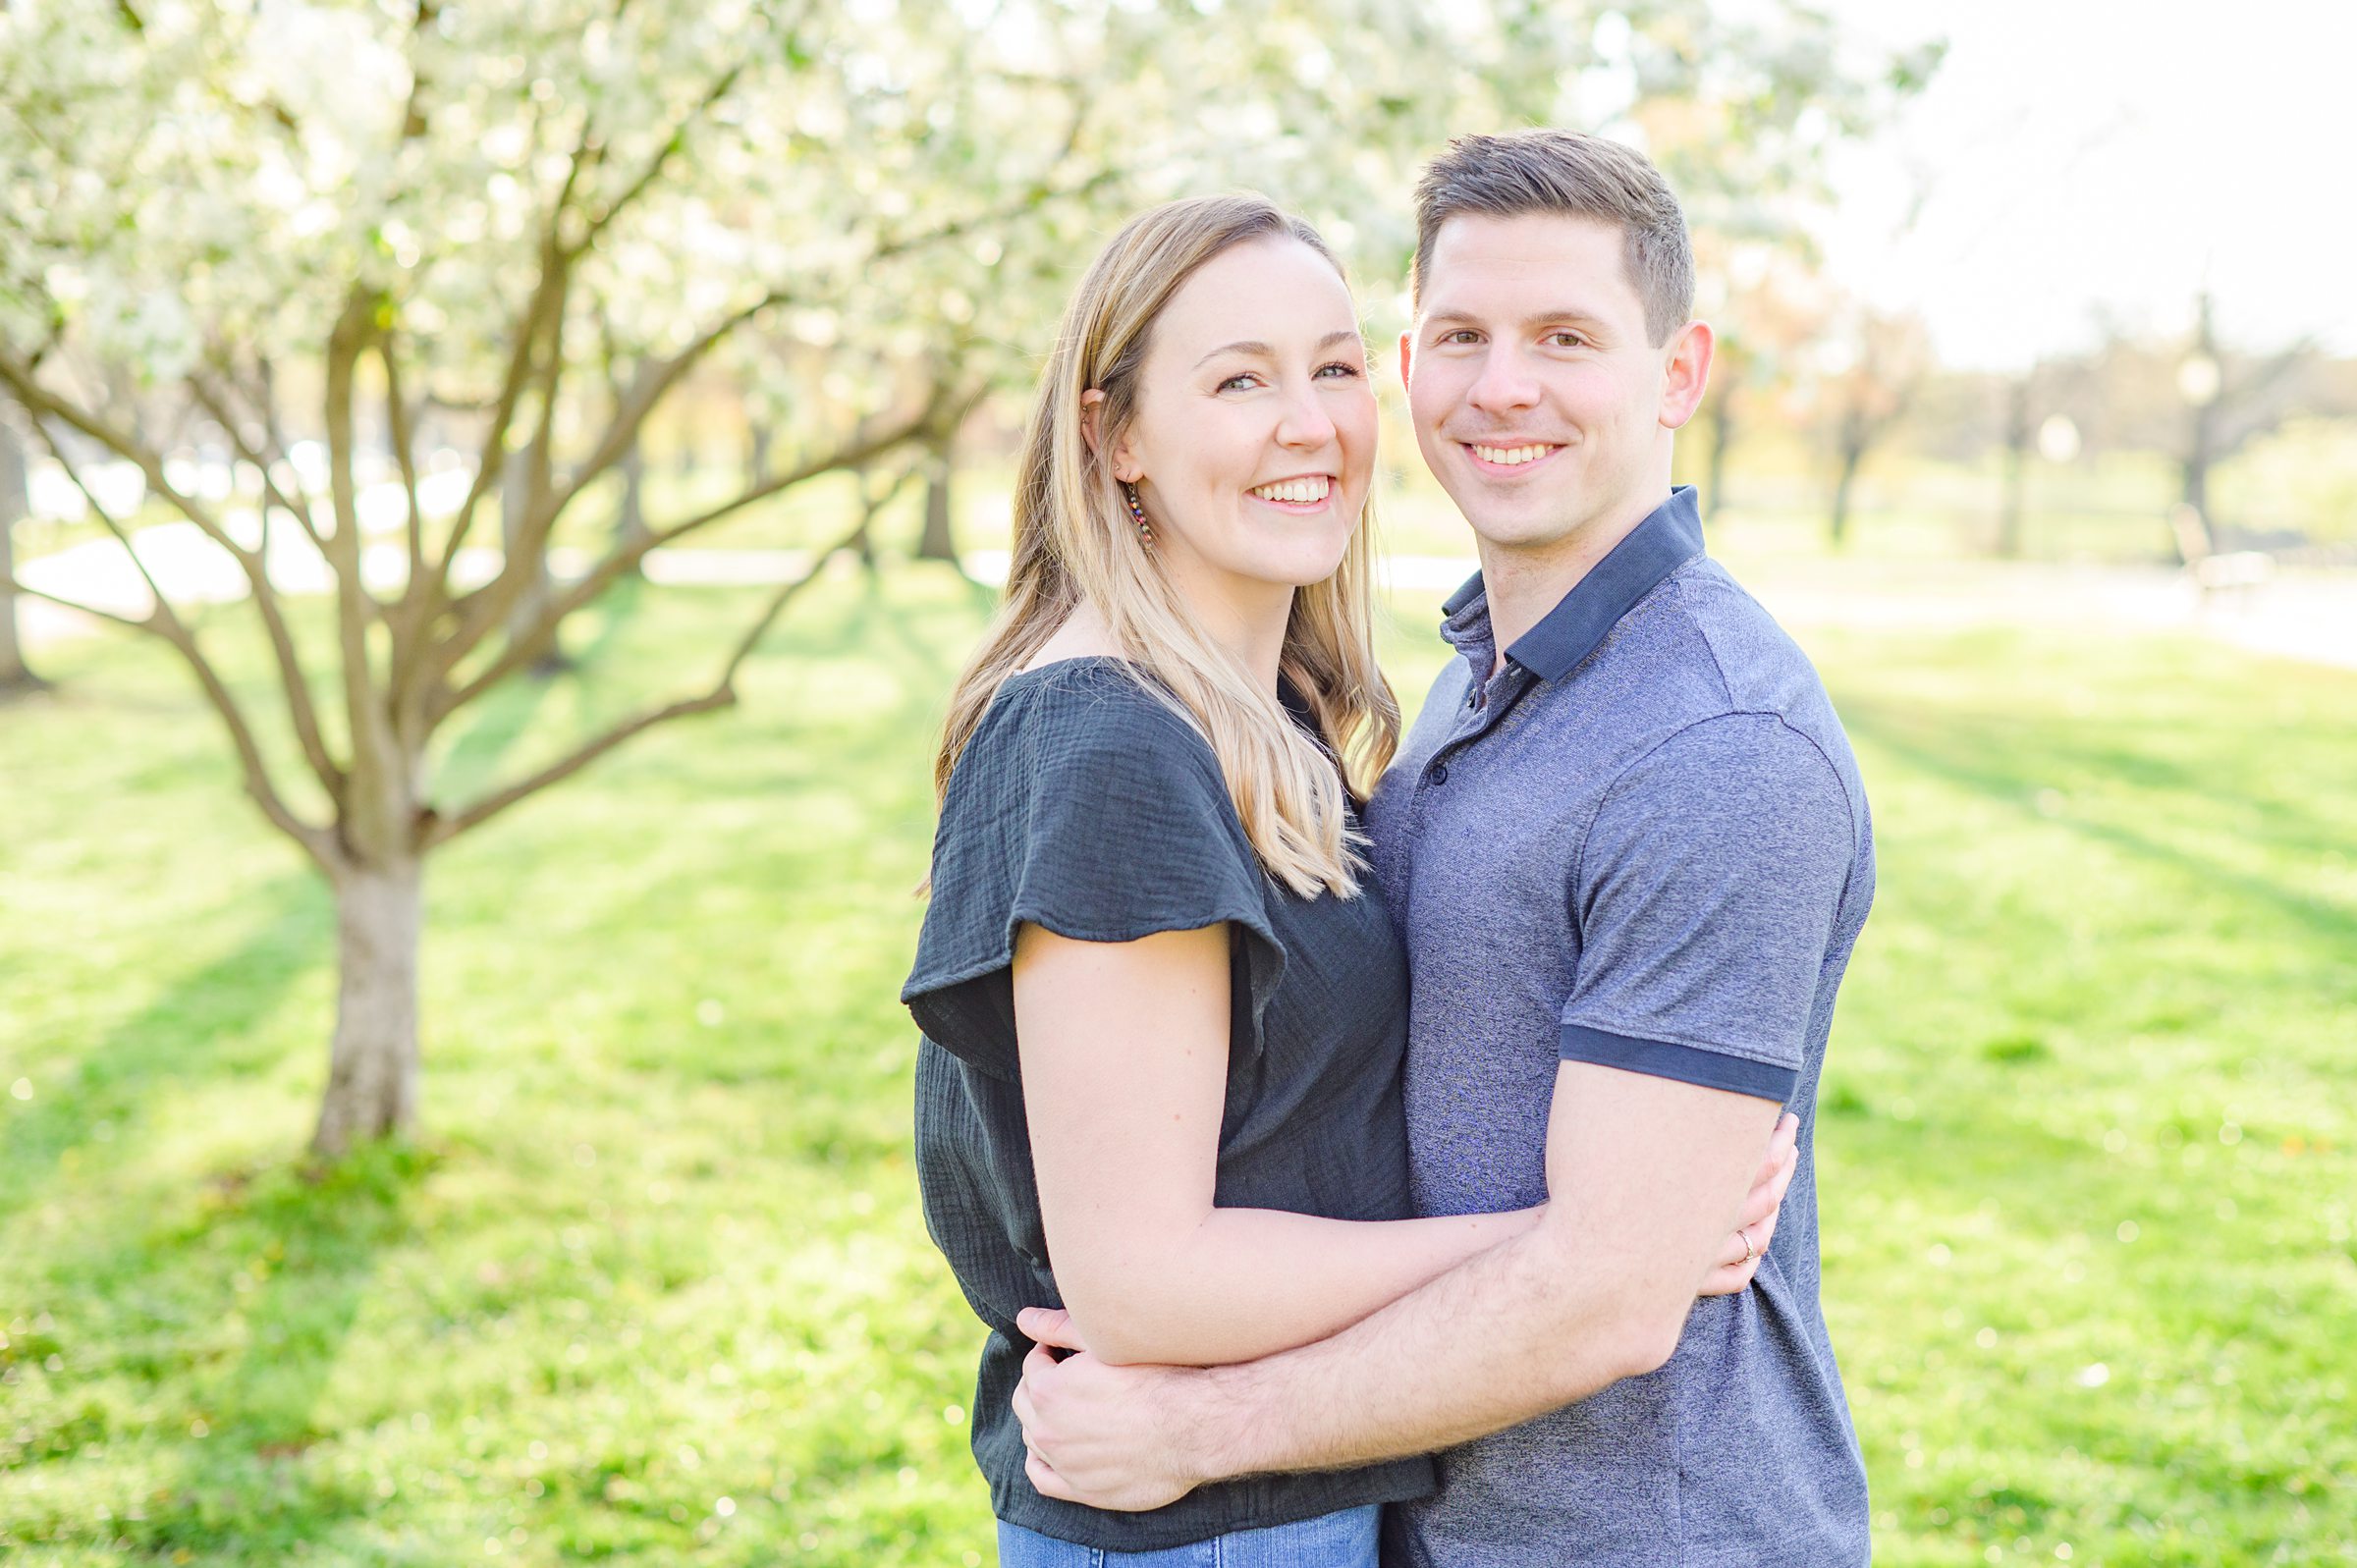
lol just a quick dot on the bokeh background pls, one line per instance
(591, 424)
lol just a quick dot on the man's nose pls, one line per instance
(1505, 383)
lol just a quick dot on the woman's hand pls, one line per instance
(1748, 1242)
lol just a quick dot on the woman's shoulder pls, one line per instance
(1089, 711)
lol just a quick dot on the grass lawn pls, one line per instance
(653, 1287)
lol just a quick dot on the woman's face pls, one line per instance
(1253, 438)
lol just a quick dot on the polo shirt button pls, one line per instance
(1440, 772)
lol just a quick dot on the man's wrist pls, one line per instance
(1211, 1438)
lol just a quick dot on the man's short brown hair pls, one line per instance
(1565, 171)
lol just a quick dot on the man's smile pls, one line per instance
(1491, 457)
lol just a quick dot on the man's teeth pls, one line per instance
(1510, 454)
(1298, 490)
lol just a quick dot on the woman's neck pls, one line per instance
(1255, 636)
(1247, 617)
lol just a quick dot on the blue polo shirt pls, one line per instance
(1642, 843)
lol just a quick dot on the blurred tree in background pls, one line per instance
(524, 230)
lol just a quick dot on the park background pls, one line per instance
(429, 404)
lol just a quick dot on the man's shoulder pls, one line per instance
(1701, 652)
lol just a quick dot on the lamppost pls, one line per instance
(2201, 381)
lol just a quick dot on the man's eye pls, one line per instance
(1461, 335)
(1566, 340)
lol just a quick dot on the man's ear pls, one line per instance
(1404, 355)
(1688, 373)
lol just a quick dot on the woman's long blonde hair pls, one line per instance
(1074, 541)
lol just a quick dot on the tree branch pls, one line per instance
(548, 294)
(722, 695)
(218, 407)
(670, 148)
(628, 553)
(19, 585)
(441, 830)
(299, 708)
(165, 623)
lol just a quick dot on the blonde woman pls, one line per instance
(1164, 1016)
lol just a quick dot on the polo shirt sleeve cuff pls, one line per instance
(1659, 1058)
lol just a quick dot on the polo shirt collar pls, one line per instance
(1670, 536)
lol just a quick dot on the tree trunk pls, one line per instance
(630, 519)
(2018, 468)
(2201, 441)
(1723, 436)
(1838, 524)
(530, 604)
(938, 543)
(372, 1066)
(14, 676)
(756, 457)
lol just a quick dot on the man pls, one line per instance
(1628, 850)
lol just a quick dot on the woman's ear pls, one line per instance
(1092, 414)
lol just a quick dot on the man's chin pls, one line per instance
(1519, 527)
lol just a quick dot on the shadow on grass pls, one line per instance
(194, 1025)
(308, 1246)
(1971, 761)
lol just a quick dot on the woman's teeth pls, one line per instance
(1509, 455)
(1295, 490)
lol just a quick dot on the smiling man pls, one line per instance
(1629, 852)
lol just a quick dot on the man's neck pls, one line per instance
(1522, 586)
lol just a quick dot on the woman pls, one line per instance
(1163, 1016)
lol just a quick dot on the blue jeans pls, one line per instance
(1345, 1540)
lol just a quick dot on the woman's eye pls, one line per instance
(1342, 370)
(1233, 383)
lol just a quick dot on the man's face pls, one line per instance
(1539, 399)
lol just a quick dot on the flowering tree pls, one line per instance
(535, 222)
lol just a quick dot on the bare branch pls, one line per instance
(647, 388)
(301, 709)
(655, 165)
(218, 407)
(163, 614)
(440, 830)
(400, 424)
(166, 623)
(628, 553)
(722, 695)
(375, 757)
(548, 297)
(149, 625)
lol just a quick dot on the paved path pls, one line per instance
(2309, 616)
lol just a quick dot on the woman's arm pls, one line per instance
(1125, 1062)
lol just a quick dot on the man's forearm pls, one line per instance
(1505, 1336)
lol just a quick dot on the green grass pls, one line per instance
(2089, 1107)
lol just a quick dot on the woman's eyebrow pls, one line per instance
(1256, 346)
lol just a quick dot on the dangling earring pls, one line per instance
(1137, 515)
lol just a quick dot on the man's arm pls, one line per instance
(1598, 1291)
(1707, 888)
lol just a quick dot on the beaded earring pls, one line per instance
(1137, 515)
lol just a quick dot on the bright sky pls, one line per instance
(2072, 156)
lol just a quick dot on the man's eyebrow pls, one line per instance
(1467, 318)
(1255, 346)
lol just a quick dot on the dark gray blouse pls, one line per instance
(1084, 805)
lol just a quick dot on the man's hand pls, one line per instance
(1107, 1437)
